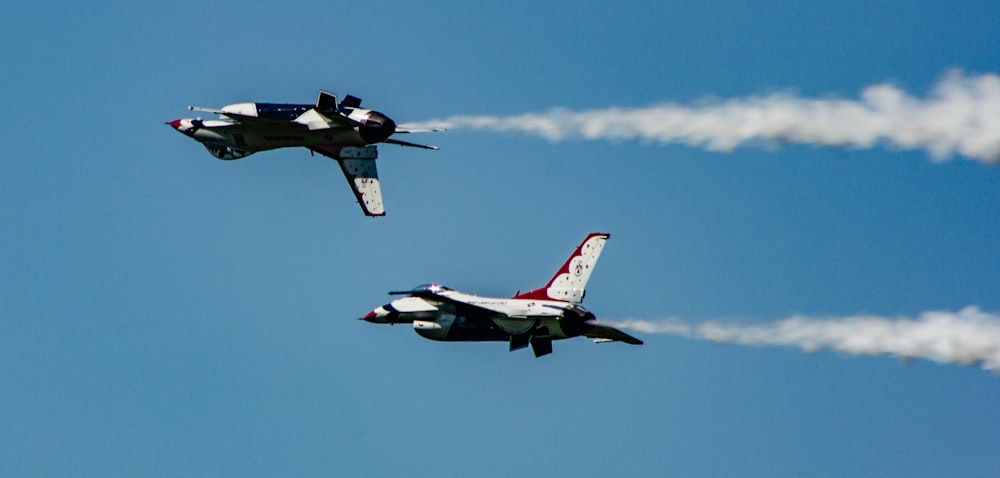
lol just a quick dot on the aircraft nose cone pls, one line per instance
(176, 124)
(369, 317)
(377, 128)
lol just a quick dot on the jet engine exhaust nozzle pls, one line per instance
(377, 128)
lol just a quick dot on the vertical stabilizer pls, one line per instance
(363, 178)
(358, 164)
(570, 282)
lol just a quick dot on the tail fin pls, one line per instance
(570, 282)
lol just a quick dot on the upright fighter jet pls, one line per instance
(533, 318)
(344, 132)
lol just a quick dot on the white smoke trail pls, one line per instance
(960, 116)
(966, 337)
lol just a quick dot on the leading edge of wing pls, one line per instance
(601, 331)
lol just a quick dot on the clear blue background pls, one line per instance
(163, 313)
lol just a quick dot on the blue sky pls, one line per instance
(164, 313)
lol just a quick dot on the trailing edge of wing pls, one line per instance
(601, 331)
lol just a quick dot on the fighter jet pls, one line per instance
(342, 131)
(535, 318)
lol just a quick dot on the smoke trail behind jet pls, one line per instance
(959, 117)
(966, 337)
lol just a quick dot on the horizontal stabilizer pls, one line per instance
(411, 145)
(604, 333)
(406, 129)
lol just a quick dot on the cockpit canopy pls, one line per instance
(432, 288)
(423, 288)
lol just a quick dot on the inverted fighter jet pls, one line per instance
(344, 132)
(533, 318)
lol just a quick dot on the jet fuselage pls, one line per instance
(342, 131)
(473, 318)
(534, 318)
(282, 126)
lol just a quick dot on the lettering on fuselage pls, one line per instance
(488, 302)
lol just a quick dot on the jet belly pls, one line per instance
(495, 319)
(449, 327)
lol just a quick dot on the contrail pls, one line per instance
(960, 116)
(966, 337)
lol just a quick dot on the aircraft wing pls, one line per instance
(440, 295)
(602, 332)
(362, 176)
(335, 118)
(323, 118)
(460, 304)
(263, 123)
